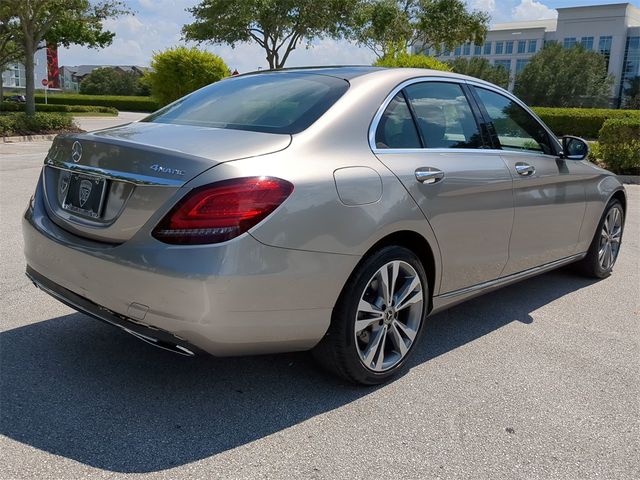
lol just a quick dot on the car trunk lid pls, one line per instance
(105, 185)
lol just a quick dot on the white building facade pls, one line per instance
(613, 30)
(14, 76)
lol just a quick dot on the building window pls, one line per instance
(499, 48)
(522, 46)
(477, 49)
(506, 64)
(487, 48)
(508, 47)
(520, 64)
(630, 66)
(569, 42)
(604, 47)
(467, 49)
(587, 43)
(533, 45)
(446, 52)
(457, 52)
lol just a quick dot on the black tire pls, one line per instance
(590, 265)
(337, 351)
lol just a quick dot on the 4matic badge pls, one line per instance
(171, 171)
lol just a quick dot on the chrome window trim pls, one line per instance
(474, 83)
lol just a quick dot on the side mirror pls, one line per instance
(574, 148)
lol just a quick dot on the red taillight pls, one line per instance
(223, 210)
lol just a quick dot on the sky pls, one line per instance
(156, 25)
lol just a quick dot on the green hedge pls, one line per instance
(41, 123)
(581, 122)
(619, 145)
(43, 107)
(122, 103)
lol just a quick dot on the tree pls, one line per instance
(62, 22)
(632, 93)
(112, 81)
(178, 71)
(412, 61)
(565, 77)
(10, 50)
(390, 26)
(278, 26)
(481, 68)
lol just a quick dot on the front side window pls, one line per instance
(271, 103)
(487, 48)
(516, 128)
(499, 48)
(443, 114)
(522, 45)
(396, 128)
(533, 45)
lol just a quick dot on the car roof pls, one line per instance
(349, 72)
(346, 72)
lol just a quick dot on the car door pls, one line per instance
(428, 135)
(548, 191)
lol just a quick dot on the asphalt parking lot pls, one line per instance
(540, 380)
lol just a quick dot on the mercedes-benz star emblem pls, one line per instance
(85, 191)
(76, 152)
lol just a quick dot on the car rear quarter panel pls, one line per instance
(314, 218)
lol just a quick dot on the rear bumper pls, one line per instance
(154, 336)
(235, 298)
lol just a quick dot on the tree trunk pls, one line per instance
(1, 87)
(29, 51)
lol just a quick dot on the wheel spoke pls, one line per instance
(367, 307)
(398, 341)
(384, 284)
(372, 349)
(408, 332)
(412, 299)
(406, 291)
(395, 270)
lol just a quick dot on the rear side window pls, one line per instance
(272, 103)
(516, 128)
(396, 128)
(444, 117)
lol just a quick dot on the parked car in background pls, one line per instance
(324, 209)
(16, 98)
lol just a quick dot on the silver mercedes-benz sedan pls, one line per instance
(325, 209)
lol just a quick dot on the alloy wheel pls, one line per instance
(610, 237)
(389, 316)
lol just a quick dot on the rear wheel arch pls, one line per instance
(418, 245)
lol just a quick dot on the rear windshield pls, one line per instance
(272, 103)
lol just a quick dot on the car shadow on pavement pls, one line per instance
(77, 388)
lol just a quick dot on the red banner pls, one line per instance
(52, 66)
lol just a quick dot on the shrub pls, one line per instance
(581, 122)
(43, 107)
(112, 81)
(123, 103)
(481, 68)
(42, 122)
(407, 60)
(619, 145)
(179, 71)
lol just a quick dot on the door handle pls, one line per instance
(525, 169)
(429, 175)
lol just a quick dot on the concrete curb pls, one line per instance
(29, 138)
(630, 179)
